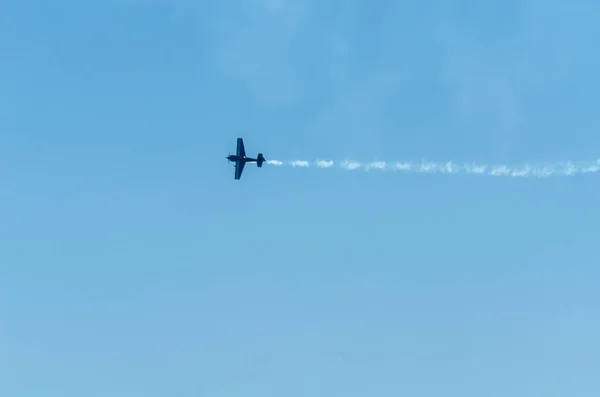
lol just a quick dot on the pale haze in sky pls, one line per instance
(133, 264)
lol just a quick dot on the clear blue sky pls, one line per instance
(132, 264)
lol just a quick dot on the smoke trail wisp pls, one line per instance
(565, 168)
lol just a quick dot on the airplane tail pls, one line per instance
(260, 160)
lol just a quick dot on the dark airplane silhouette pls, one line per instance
(240, 159)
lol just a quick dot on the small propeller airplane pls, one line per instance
(240, 159)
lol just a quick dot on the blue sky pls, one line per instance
(132, 264)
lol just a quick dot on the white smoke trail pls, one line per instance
(350, 165)
(299, 163)
(378, 165)
(324, 164)
(302, 163)
(567, 168)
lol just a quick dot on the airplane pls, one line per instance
(240, 159)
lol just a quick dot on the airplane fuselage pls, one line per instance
(244, 159)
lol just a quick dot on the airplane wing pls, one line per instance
(239, 168)
(240, 148)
